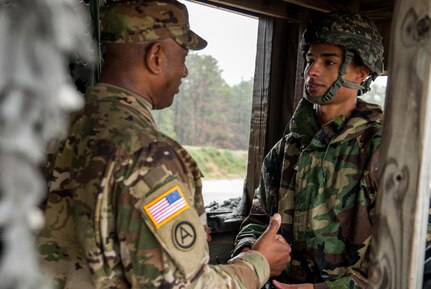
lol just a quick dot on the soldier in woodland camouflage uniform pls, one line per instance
(124, 207)
(322, 175)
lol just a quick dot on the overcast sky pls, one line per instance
(231, 39)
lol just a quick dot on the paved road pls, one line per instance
(220, 190)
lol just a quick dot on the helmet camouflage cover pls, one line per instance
(353, 32)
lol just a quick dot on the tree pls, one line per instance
(241, 113)
(207, 111)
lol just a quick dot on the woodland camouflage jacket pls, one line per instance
(323, 182)
(125, 207)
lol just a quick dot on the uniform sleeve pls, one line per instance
(371, 174)
(263, 201)
(253, 226)
(162, 238)
(247, 270)
(352, 279)
(342, 282)
(428, 241)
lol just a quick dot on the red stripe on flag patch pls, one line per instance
(169, 205)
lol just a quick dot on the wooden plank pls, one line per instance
(327, 6)
(376, 9)
(278, 9)
(259, 117)
(275, 88)
(382, 10)
(402, 203)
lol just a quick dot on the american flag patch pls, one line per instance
(169, 205)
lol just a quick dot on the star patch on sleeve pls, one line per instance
(166, 207)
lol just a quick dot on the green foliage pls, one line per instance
(164, 120)
(215, 163)
(207, 111)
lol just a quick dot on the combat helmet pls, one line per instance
(356, 35)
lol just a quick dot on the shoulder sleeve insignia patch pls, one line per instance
(170, 215)
(166, 207)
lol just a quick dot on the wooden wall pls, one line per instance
(402, 205)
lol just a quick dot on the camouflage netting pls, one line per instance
(227, 206)
(37, 39)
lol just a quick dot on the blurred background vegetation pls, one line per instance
(216, 163)
(207, 111)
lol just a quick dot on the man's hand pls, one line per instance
(280, 285)
(274, 247)
(208, 233)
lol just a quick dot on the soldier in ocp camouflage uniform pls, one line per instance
(322, 175)
(124, 207)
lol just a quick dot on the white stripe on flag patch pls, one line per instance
(169, 205)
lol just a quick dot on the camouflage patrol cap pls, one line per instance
(353, 32)
(141, 21)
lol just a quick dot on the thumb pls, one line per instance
(274, 224)
(279, 285)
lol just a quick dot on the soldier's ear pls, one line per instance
(361, 73)
(154, 57)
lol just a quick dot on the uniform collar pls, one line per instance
(304, 124)
(128, 98)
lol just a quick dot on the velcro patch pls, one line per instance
(166, 207)
(169, 213)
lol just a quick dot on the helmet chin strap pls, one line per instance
(362, 88)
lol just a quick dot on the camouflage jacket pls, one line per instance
(125, 209)
(323, 182)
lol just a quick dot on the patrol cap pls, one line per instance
(141, 21)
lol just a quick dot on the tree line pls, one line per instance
(207, 111)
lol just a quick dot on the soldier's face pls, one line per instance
(321, 71)
(174, 70)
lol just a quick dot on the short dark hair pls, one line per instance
(357, 62)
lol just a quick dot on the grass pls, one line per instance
(219, 163)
